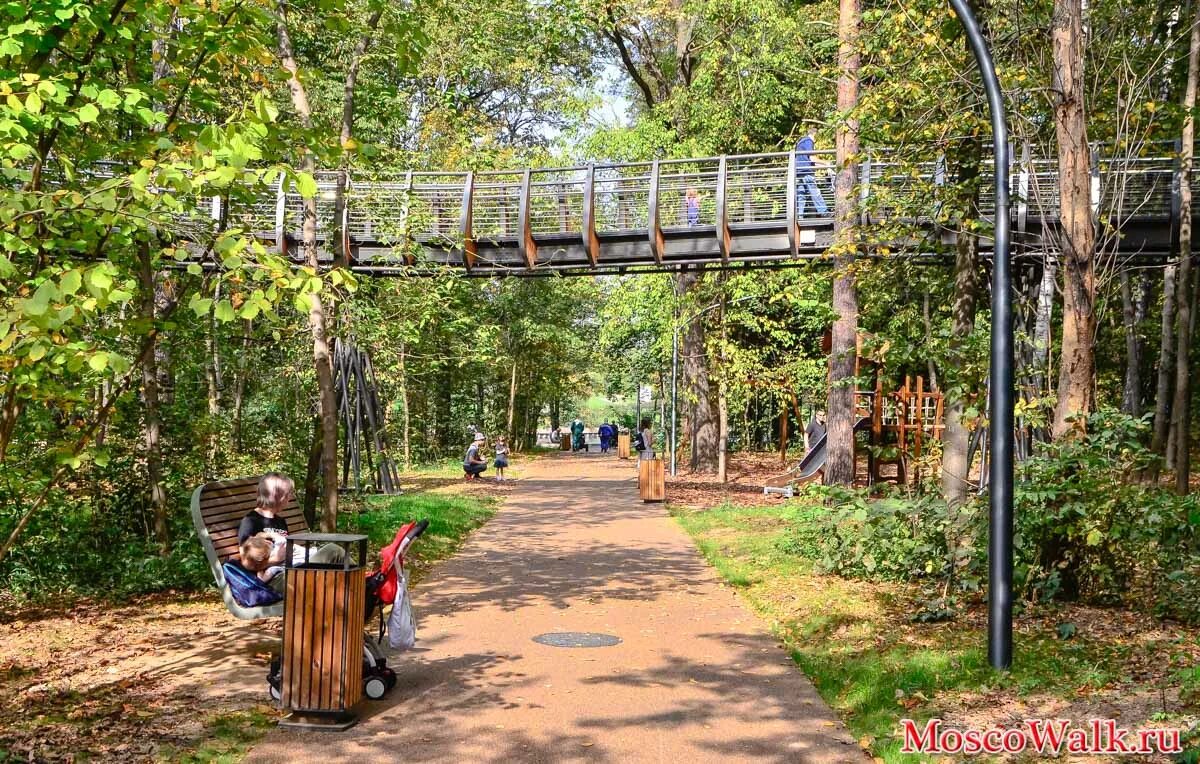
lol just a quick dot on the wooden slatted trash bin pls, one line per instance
(623, 445)
(323, 631)
(652, 480)
(564, 442)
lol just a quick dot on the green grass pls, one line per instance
(856, 643)
(451, 518)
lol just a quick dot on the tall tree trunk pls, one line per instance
(239, 385)
(152, 421)
(956, 465)
(322, 358)
(697, 383)
(406, 433)
(1131, 395)
(931, 366)
(212, 370)
(512, 402)
(151, 297)
(347, 128)
(1041, 325)
(1166, 348)
(1181, 406)
(1076, 396)
(839, 469)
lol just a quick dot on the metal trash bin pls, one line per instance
(323, 632)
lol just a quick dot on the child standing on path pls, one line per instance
(501, 458)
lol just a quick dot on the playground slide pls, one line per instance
(809, 468)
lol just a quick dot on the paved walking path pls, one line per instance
(696, 677)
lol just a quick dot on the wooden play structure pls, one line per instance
(897, 424)
(900, 422)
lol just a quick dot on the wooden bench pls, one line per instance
(217, 511)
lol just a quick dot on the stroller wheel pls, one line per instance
(276, 693)
(375, 687)
(390, 677)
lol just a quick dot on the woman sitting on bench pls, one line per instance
(274, 492)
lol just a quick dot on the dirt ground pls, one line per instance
(128, 683)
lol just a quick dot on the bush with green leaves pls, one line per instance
(1088, 528)
(895, 538)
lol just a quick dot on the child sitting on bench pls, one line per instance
(260, 556)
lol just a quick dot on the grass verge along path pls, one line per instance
(874, 666)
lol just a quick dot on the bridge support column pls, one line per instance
(525, 243)
(591, 243)
(469, 246)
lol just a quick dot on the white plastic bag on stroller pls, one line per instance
(402, 626)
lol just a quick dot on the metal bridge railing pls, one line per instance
(660, 200)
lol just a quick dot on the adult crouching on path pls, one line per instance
(473, 463)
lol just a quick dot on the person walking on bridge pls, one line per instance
(806, 181)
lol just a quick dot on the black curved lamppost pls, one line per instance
(1001, 395)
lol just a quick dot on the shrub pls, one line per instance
(1085, 529)
(1088, 529)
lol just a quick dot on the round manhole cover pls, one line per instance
(577, 639)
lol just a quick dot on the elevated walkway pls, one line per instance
(750, 210)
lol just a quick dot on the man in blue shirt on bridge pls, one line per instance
(806, 181)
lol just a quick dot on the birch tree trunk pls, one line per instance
(1166, 348)
(151, 418)
(1077, 369)
(1181, 406)
(839, 469)
(1131, 402)
(322, 359)
(155, 359)
(1041, 324)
